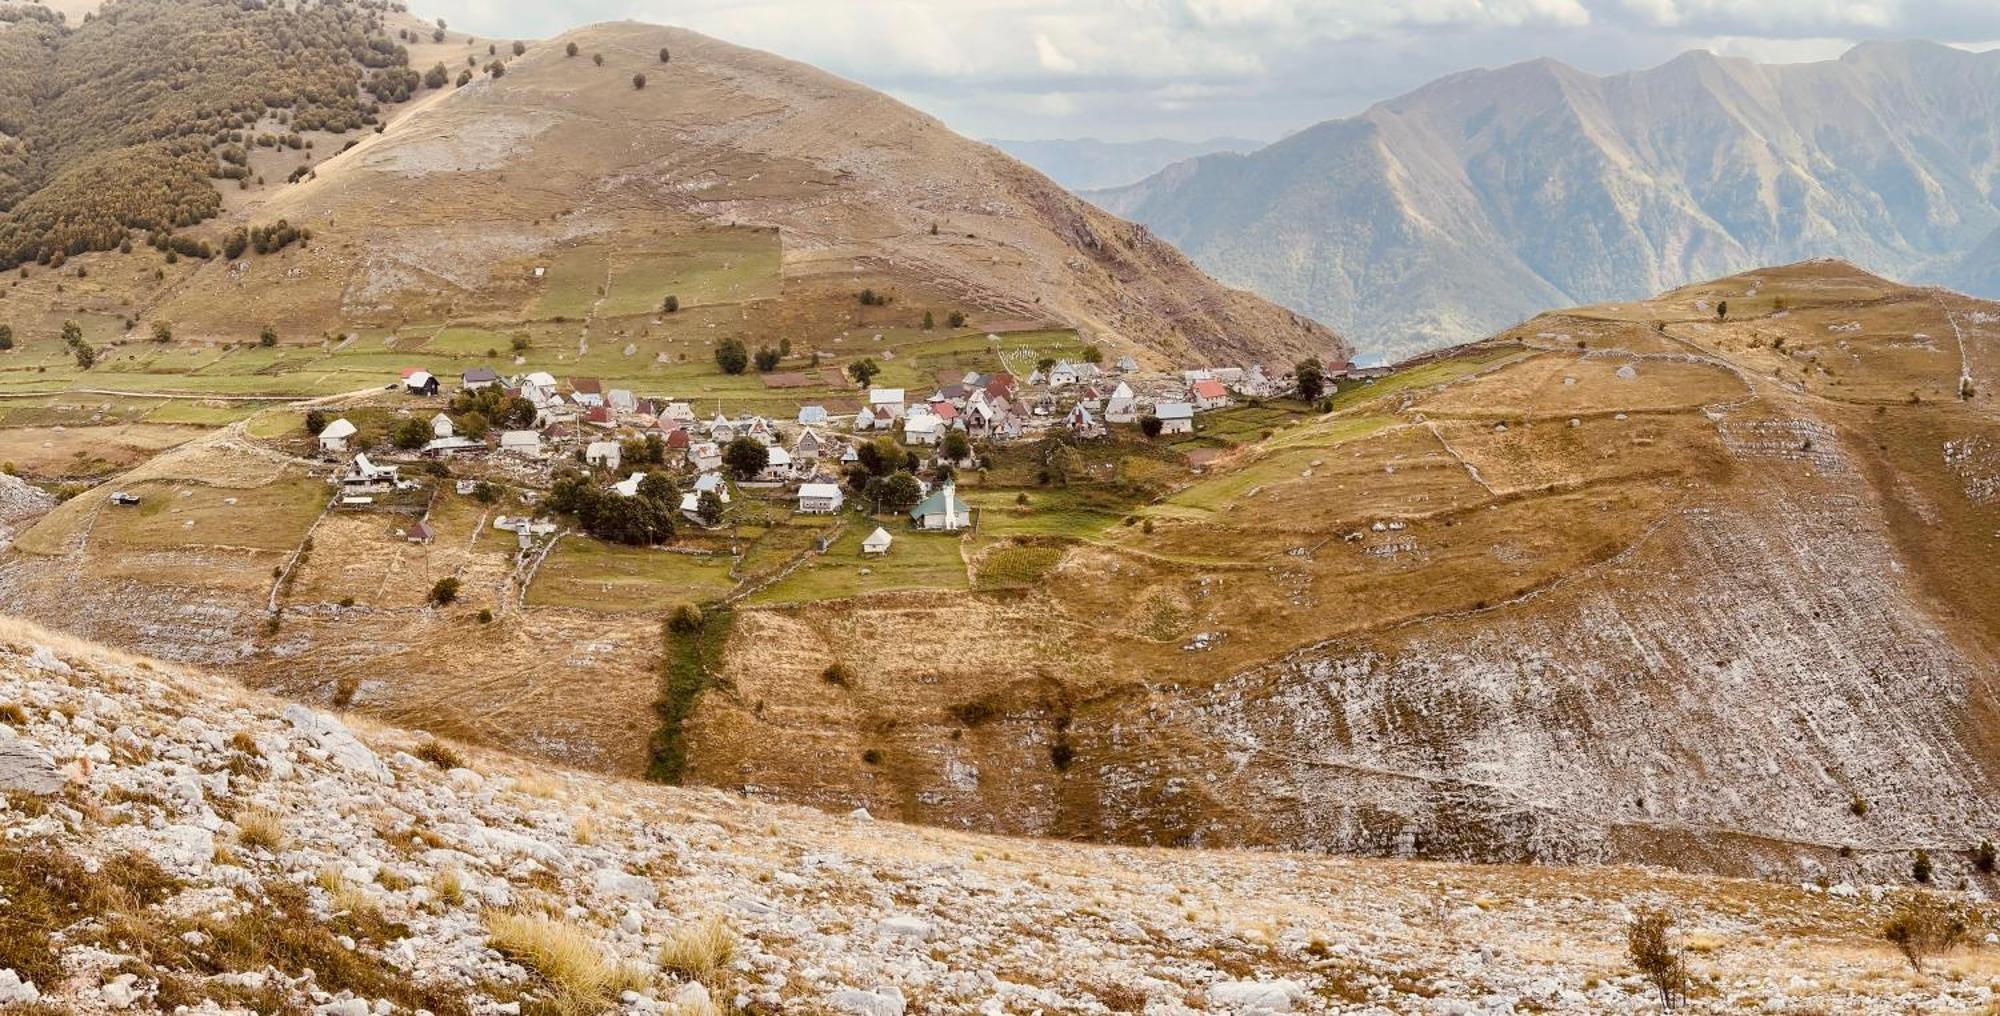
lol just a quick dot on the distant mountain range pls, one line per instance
(1471, 202)
(1090, 164)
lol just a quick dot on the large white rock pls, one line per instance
(905, 926)
(118, 992)
(26, 768)
(13, 989)
(613, 882)
(883, 1002)
(341, 746)
(1254, 996)
(45, 659)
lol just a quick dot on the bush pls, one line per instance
(840, 675)
(731, 356)
(485, 615)
(268, 337)
(671, 305)
(872, 756)
(445, 591)
(767, 359)
(1309, 379)
(746, 457)
(439, 754)
(570, 50)
(1925, 924)
(1983, 858)
(411, 433)
(1653, 948)
(1150, 425)
(639, 81)
(685, 620)
(1920, 866)
(1857, 807)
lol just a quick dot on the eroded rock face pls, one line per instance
(26, 768)
(242, 809)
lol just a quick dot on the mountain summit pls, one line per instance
(1476, 200)
(648, 136)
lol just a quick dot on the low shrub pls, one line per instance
(1925, 924)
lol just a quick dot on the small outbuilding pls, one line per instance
(877, 543)
(334, 436)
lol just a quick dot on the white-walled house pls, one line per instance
(890, 399)
(1175, 417)
(777, 465)
(441, 426)
(924, 429)
(820, 498)
(603, 453)
(1122, 406)
(522, 442)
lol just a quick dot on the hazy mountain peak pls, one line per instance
(1483, 195)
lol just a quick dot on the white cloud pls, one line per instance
(1188, 68)
(1051, 58)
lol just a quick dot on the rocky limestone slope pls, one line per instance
(1480, 199)
(169, 841)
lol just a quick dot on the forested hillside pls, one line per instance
(122, 124)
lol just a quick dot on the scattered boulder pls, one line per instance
(14, 989)
(905, 926)
(340, 744)
(25, 768)
(881, 1002)
(1255, 996)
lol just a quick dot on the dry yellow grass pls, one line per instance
(701, 950)
(562, 953)
(258, 828)
(448, 888)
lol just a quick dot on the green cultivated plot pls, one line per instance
(916, 561)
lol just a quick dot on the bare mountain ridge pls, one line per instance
(1475, 201)
(1094, 164)
(446, 212)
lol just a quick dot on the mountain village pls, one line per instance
(812, 462)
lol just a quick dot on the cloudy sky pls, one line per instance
(1194, 69)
